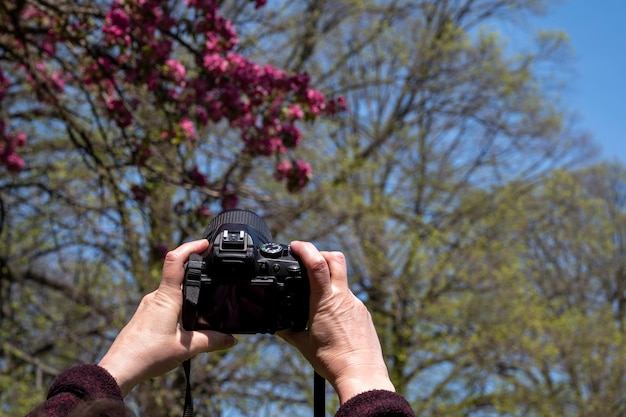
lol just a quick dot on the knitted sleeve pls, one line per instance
(81, 387)
(377, 403)
(84, 385)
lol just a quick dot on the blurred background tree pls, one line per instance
(490, 254)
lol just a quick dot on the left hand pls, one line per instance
(154, 342)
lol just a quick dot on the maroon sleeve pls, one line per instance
(377, 403)
(79, 387)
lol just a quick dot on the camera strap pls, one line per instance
(319, 395)
(191, 293)
(191, 298)
(188, 407)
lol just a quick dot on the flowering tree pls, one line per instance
(90, 67)
(122, 125)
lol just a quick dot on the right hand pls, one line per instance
(153, 342)
(341, 342)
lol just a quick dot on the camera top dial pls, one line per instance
(272, 250)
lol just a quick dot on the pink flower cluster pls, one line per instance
(252, 97)
(9, 142)
(185, 59)
(296, 173)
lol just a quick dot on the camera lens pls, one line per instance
(238, 216)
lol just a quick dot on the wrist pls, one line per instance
(119, 372)
(362, 380)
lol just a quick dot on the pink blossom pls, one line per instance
(105, 65)
(302, 175)
(58, 82)
(264, 145)
(294, 112)
(196, 177)
(188, 129)
(246, 122)
(159, 50)
(151, 78)
(273, 145)
(118, 18)
(228, 32)
(300, 83)
(216, 110)
(214, 62)
(206, 5)
(259, 3)
(19, 139)
(202, 115)
(203, 211)
(241, 65)
(117, 26)
(40, 66)
(4, 84)
(337, 105)
(316, 101)
(13, 162)
(8, 156)
(119, 112)
(47, 45)
(230, 200)
(282, 169)
(31, 13)
(212, 42)
(297, 174)
(176, 69)
(291, 136)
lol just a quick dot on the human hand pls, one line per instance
(341, 342)
(153, 342)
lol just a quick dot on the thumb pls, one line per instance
(200, 341)
(316, 265)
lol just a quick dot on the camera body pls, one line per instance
(244, 283)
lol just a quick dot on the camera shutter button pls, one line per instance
(293, 270)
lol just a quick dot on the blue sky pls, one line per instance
(597, 32)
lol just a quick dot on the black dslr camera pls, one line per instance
(245, 283)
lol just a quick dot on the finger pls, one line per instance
(174, 264)
(338, 268)
(316, 265)
(200, 341)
